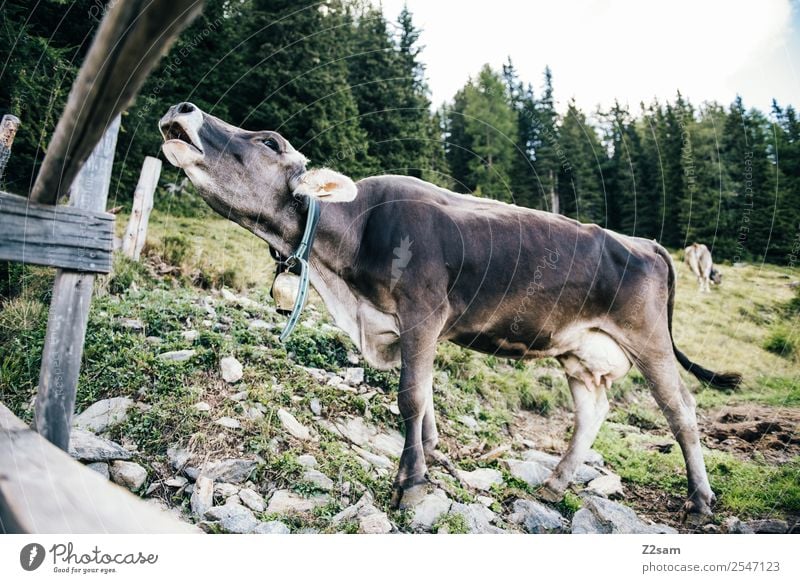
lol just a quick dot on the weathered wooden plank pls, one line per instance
(8, 129)
(44, 491)
(56, 236)
(136, 233)
(69, 307)
(131, 39)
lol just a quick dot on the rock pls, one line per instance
(594, 458)
(320, 480)
(477, 517)
(481, 478)
(286, 502)
(495, 453)
(271, 527)
(177, 355)
(239, 397)
(128, 474)
(354, 376)
(374, 459)
(202, 407)
(360, 433)
(225, 490)
(176, 482)
(352, 357)
(583, 474)
(427, 507)
(87, 447)
(390, 443)
(191, 472)
(469, 421)
(131, 324)
(234, 500)
(190, 335)
(178, 457)
(394, 408)
(768, 526)
(377, 523)
(103, 414)
(584, 522)
(537, 518)
(154, 340)
(202, 496)
(231, 369)
(316, 407)
(293, 426)
(616, 518)
(252, 499)
(533, 473)
(101, 468)
(232, 470)
(259, 325)
(361, 508)
(307, 460)
(733, 525)
(487, 501)
(253, 413)
(233, 518)
(228, 423)
(609, 486)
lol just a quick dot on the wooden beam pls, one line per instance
(136, 233)
(69, 307)
(56, 236)
(44, 491)
(129, 43)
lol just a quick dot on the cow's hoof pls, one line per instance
(550, 493)
(406, 496)
(697, 512)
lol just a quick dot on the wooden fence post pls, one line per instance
(8, 129)
(69, 308)
(136, 233)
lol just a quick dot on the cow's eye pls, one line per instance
(272, 144)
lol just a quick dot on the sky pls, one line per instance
(600, 50)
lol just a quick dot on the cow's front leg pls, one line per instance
(416, 378)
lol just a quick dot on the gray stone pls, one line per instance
(233, 518)
(258, 324)
(128, 474)
(225, 490)
(131, 324)
(584, 522)
(537, 518)
(616, 518)
(487, 501)
(583, 474)
(191, 472)
(252, 499)
(286, 502)
(320, 480)
(228, 423)
(469, 421)
(103, 414)
(374, 459)
(293, 426)
(533, 473)
(232, 470)
(201, 407)
(427, 508)
(234, 500)
(307, 460)
(315, 406)
(354, 376)
(88, 447)
(176, 482)
(477, 517)
(376, 523)
(178, 457)
(271, 527)
(202, 496)
(482, 478)
(768, 526)
(594, 458)
(238, 397)
(190, 335)
(370, 519)
(253, 413)
(177, 355)
(231, 369)
(101, 468)
(609, 485)
(733, 525)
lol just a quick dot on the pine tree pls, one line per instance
(580, 177)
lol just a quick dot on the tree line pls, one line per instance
(347, 87)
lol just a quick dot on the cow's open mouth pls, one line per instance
(174, 131)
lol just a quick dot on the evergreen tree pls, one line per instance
(580, 177)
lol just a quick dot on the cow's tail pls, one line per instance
(726, 380)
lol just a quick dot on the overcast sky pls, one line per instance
(626, 49)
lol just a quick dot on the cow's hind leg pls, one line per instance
(678, 406)
(591, 407)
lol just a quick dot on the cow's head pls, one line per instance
(715, 276)
(239, 171)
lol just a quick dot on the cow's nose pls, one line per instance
(185, 107)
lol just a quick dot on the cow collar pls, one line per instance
(301, 256)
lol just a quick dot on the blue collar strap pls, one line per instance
(301, 256)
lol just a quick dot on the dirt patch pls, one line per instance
(752, 431)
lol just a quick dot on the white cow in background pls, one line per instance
(698, 258)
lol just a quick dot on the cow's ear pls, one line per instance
(326, 185)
